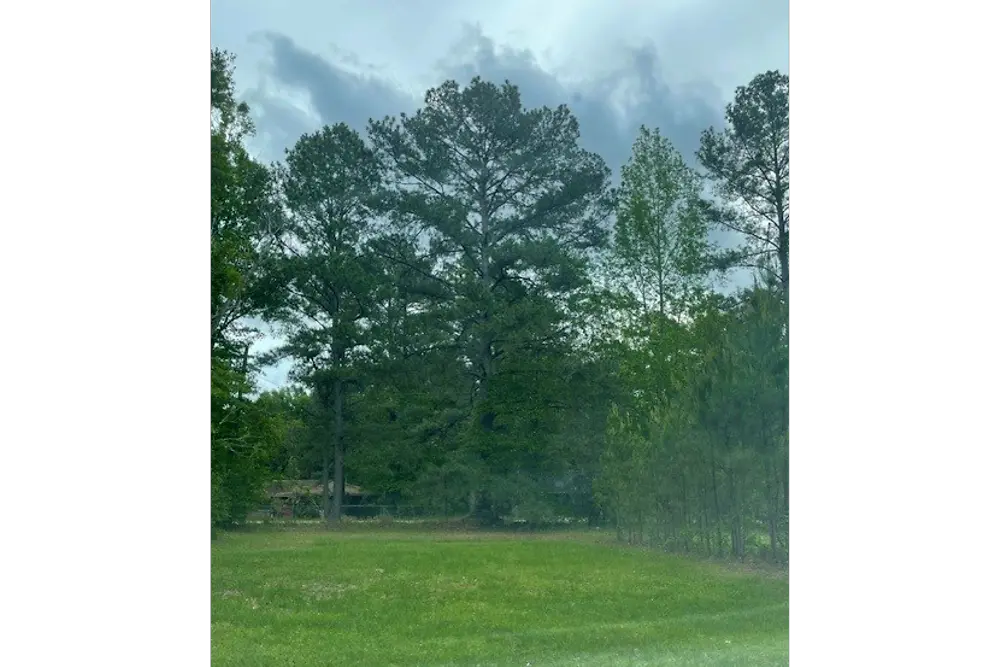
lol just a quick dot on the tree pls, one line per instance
(329, 187)
(241, 210)
(704, 466)
(241, 287)
(290, 408)
(661, 232)
(747, 401)
(658, 265)
(509, 208)
(245, 439)
(748, 161)
(414, 399)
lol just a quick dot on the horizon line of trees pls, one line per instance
(480, 323)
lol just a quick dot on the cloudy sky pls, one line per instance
(671, 64)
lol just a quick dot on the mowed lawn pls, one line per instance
(384, 597)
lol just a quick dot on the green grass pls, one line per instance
(384, 597)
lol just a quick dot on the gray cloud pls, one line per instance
(681, 114)
(610, 107)
(336, 93)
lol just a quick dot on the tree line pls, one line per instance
(482, 324)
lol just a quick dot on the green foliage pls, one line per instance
(465, 339)
(696, 453)
(661, 245)
(241, 211)
(292, 413)
(244, 437)
(329, 186)
(510, 208)
(748, 162)
(702, 465)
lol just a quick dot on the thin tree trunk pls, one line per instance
(486, 350)
(738, 531)
(685, 538)
(325, 481)
(706, 536)
(338, 451)
(486, 340)
(772, 522)
(786, 507)
(718, 509)
(773, 498)
(617, 511)
(784, 481)
(773, 530)
(244, 368)
(733, 521)
(783, 252)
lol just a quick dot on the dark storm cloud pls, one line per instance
(681, 116)
(681, 113)
(339, 95)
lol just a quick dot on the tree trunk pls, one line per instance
(718, 509)
(338, 452)
(244, 368)
(772, 523)
(685, 518)
(773, 499)
(733, 537)
(325, 481)
(486, 343)
(778, 192)
(738, 533)
(706, 535)
(783, 251)
(784, 481)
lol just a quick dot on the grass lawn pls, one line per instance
(381, 596)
